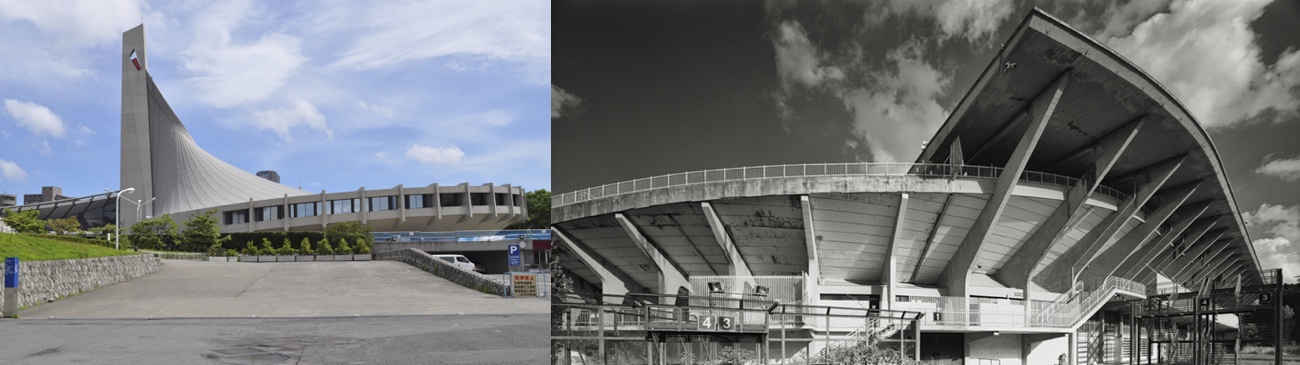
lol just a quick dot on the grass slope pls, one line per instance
(35, 248)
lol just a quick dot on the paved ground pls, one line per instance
(377, 312)
(192, 289)
(432, 339)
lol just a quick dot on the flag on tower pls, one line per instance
(135, 60)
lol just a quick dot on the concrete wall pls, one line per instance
(1044, 348)
(445, 270)
(41, 281)
(984, 345)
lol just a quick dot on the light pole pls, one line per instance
(117, 216)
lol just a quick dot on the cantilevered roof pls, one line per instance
(1105, 93)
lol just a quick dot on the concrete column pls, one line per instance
(612, 280)
(671, 276)
(813, 277)
(437, 201)
(365, 204)
(1040, 112)
(284, 212)
(890, 270)
(736, 265)
(324, 218)
(401, 203)
(469, 201)
(492, 199)
(1097, 272)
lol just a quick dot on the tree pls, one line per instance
(154, 233)
(306, 247)
(266, 248)
(539, 211)
(287, 248)
(863, 352)
(361, 248)
(349, 231)
(249, 248)
(24, 222)
(101, 232)
(63, 226)
(323, 247)
(202, 233)
(343, 248)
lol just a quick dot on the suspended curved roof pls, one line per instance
(1105, 93)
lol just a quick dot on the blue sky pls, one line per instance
(334, 95)
(755, 83)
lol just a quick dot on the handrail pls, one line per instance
(813, 169)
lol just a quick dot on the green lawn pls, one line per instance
(36, 248)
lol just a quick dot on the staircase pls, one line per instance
(1067, 315)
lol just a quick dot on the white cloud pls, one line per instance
(11, 171)
(1205, 53)
(1279, 252)
(401, 31)
(34, 117)
(1285, 169)
(1122, 17)
(86, 130)
(968, 19)
(300, 113)
(899, 110)
(43, 148)
(225, 72)
(446, 155)
(381, 155)
(382, 111)
(1283, 223)
(561, 100)
(971, 19)
(797, 60)
(79, 22)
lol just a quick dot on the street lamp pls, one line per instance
(117, 217)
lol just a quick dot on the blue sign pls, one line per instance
(515, 255)
(11, 272)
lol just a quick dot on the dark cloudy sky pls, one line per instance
(654, 88)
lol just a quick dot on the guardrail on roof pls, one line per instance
(935, 170)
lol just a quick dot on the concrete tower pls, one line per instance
(159, 157)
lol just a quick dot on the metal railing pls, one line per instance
(781, 289)
(935, 170)
(994, 312)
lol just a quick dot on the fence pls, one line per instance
(821, 169)
(781, 289)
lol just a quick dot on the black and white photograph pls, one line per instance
(938, 182)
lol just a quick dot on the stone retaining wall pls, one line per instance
(445, 270)
(42, 281)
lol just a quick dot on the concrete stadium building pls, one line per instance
(164, 171)
(1065, 184)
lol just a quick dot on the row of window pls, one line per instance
(374, 203)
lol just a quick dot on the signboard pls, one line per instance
(726, 323)
(707, 323)
(515, 252)
(11, 272)
(523, 285)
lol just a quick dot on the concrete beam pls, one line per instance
(671, 276)
(813, 277)
(1197, 256)
(1095, 274)
(736, 265)
(1058, 276)
(1201, 243)
(1040, 112)
(929, 240)
(1221, 266)
(889, 271)
(1162, 256)
(1104, 152)
(612, 280)
(1218, 255)
(1138, 258)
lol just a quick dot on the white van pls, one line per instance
(461, 261)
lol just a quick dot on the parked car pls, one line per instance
(461, 261)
